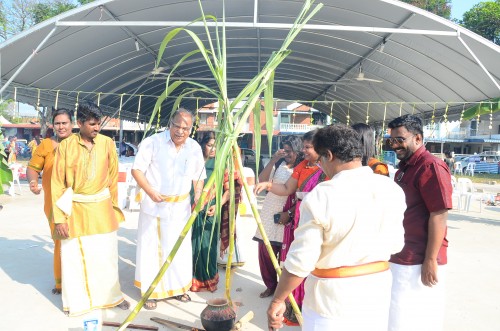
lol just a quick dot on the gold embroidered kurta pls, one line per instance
(87, 172)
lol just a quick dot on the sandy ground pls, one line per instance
(26, 273)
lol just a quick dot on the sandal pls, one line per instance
(267, 293)
(124, 305)
(150, 305)
(56, 291)
(182, 297)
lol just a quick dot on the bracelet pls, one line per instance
(269, 185)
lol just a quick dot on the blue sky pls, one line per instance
(459, 7)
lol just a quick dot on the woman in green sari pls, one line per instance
(204, 235)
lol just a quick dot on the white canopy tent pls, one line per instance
(371, 59)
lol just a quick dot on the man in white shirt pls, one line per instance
(166, 166)
(348, 229)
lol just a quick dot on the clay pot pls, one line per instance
(218, 315)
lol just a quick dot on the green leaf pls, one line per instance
(483, 108)
(159, 101)
(269, 108)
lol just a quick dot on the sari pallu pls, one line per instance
(224, 227)
(204, 240)
(306, 186)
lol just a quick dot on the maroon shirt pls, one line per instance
(426, 181)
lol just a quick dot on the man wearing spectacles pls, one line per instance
(419, 269)
(167, 165)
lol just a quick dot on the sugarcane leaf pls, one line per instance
(269, 108)
(483, 108)
(159, 101)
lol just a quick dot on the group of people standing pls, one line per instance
(358, 250)
(373, 249)
(80, 183)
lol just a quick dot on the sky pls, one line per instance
(459, 7)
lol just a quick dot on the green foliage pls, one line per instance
(5, 172)
(19, 15)
(44, 10)
(4, 107)
(438, 7)
(484, 19)
(483, 108)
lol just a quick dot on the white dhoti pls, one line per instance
(414, 306)
(90, 273)
(156, 238)
(352, 303)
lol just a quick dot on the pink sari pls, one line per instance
(288, 236)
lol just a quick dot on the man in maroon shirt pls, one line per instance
(417, 301)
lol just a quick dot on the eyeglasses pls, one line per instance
(396, 140)
(180, 128)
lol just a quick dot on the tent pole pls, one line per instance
(27, 60)
(479, 62)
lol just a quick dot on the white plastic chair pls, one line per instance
(456, 193)
(471, 167)
(15, 167)
(457, 168)
(467, 191)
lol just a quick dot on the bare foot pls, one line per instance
(267, 293)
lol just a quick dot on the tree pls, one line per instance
(45, 114)
(44, 10)
(19, 15)
(484, 19)
(438, 7)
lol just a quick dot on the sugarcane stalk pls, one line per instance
(199, 205)
(265, 239)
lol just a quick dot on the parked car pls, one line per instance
(485, 163)
(460, 157)
(249, 159)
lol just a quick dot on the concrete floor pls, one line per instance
(26, 273)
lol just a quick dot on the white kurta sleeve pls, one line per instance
(144, 155)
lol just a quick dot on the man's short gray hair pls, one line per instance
(182, 111)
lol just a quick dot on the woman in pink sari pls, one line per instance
(306, 175)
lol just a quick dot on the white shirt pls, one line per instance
(167, 170)
(354, 218)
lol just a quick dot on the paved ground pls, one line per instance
(26, 273)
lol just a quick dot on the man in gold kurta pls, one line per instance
(86, 216)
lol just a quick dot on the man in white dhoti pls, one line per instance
(419, 270)
(166, 166)
(86, 216)
(349, 227)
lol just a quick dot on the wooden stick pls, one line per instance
(175, 324)
(131, 326)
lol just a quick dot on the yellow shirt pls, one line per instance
(88, 172)
(42, 160)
